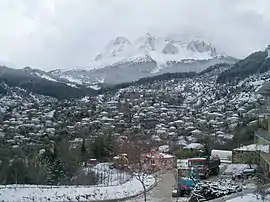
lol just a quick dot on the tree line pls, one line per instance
(57, 164)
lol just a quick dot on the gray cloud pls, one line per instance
(50, 34)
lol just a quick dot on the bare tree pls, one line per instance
(139, 168)
(141, 173)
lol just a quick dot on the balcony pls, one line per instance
(263, 136)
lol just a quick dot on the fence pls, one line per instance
(105, 177)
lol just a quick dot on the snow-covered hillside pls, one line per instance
(125, 61)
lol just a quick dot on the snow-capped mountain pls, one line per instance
(151, 46)
(125, 61)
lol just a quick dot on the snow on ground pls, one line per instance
(95, 87)
(114, 185)
(236, 169)
(250, 185)
(249, 198)
(46, 77)
(109, 177)
(72, 85)
(73, 80)
(72, 193)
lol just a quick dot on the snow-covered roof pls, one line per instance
(254, 147)
(222, 154)
(164, 148)
(194, 146)
(159, 155)
(166, 156)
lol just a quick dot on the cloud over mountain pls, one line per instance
(51, 34)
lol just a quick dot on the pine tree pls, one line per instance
(206, 151)
(56, 173)
(84, 152)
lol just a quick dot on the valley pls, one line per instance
(52, 129)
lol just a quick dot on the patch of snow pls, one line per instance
(115, 177)
(249, 186)
(236, 169)
(194, 146)
(164, 148)
(166, 156)
(45, 77)
(71, 79)
(257, 83)
(29, 193)
(50, 114)
(249, 198)
(72, 85)
(254, 147)
(95, 87)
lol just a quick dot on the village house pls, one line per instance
(155, 160)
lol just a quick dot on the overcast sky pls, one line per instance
(50, 34)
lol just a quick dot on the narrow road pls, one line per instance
(162, 192)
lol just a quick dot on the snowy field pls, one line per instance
(27, 193)
(71, 193)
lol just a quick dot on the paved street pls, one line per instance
(162, 192)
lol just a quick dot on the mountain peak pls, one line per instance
(170, 48)
(145, 43)
(115, 48)
(148, 44)
(119, 41)
(201, 46)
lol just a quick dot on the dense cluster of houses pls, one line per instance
(177, 113)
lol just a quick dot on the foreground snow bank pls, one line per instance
(249, 198)
(72, 193)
